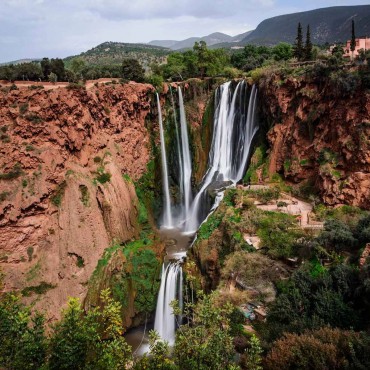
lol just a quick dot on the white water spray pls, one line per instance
(167, 216)
(186, 170)
(165, 320)
(233, 133)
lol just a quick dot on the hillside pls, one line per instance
(212, 39)
(327, 25)
(109, 53)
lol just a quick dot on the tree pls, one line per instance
(298, 50)
(45, 67)
(53, 77)
(308, 45)
(77, 66)
(132, 71)
(253, 357)
(22, 338)
(353, 39)
(282, 51)
(322, 349)
(90, 341)
(206, 343)
(69, 342)
(57, 67)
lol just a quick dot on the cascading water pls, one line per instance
(186, 170)
(178, 146)
(167, 216)
(171, 289)
(234, 127)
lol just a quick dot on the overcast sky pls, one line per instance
(59, 28)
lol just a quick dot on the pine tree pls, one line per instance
(353, 38)
(308, 46)
(298, 51)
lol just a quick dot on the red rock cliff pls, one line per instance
(320, 137)
(56, 217)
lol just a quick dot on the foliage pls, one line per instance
(310, 300)
(336, 236)
(53, 70)
(159, 357)
(13, 173)
(42, 288)
(323, 349)
(253, 358)
(206, 343)
(23, 71)
(211, 224)
(278, 233)
(132, 70)
(94, 340)
(252, 269)
(22, 339)
(308, 45)
(58, 194)
(199, 62)
(298, 46)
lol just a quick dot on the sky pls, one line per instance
(59, 28)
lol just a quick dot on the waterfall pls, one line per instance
(165, 320)
(178, 145)
(167, 216)
(186, 170)
(234, 127)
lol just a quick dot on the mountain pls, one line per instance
(241, 37)
(327, 25)
(163, 43)
(109, 53)
(212, 39)
(20, 61)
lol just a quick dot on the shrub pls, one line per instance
(13, 174)
(57, 197)
(23, 108)
(85, 196)
(42, 288)
(4, 195)
(104, 177)
(33, 117)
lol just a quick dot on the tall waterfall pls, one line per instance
(234, 126)
(186, 161)
(178, 146)
(167, 216)
(171, 289)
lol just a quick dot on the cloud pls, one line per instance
(166, 9)
(58, 28)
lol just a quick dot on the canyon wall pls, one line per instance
(64, 198)
(319, 137)
(70, 159)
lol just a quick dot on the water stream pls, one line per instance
(234, 126)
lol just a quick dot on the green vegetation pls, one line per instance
(279, 233)
(42, 288)
(207, 228)
(4, 195)
(85, 195)
(138, 276)
(58, 194)
(12, 174)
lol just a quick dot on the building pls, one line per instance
(361, 43)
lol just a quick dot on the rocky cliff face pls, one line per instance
(66, 159)
(69, 157)
(319, 139)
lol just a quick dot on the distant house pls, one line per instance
(361, 43)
